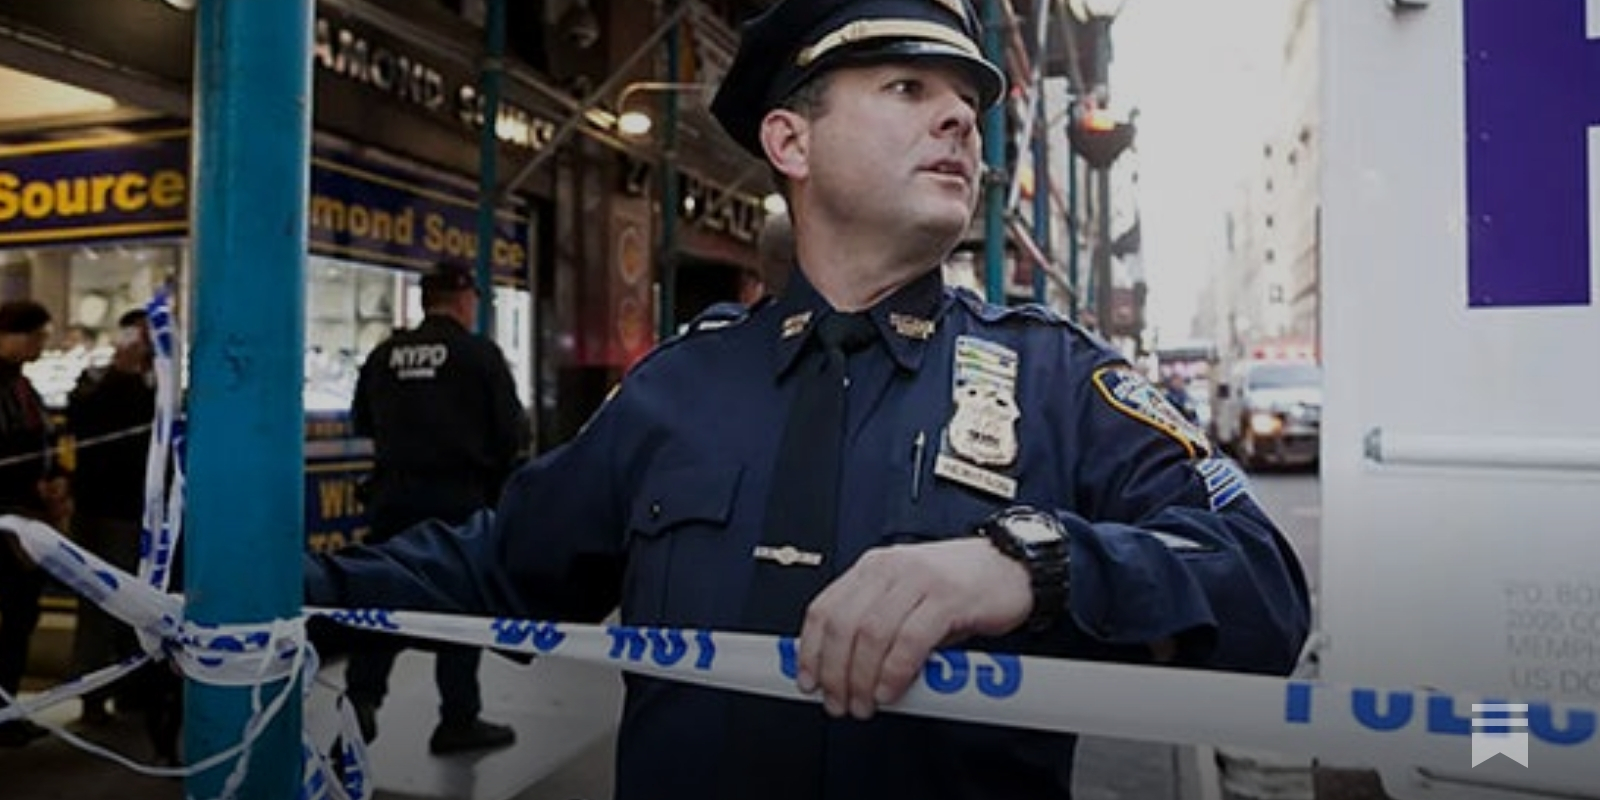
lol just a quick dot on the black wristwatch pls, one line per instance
(1042, 544)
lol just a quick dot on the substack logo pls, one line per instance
(1499, 729)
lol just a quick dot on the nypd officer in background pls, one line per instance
(869, 460)
(447, 429)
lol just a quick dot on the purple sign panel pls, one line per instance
(1531, 93)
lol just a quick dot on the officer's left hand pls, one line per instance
(868, 634)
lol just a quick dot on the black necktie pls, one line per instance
(803, 506)
(775, 747)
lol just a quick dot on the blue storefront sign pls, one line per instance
(363, 213)
(137, 186)
(90, 189)
(1531, 73)
(337, 465)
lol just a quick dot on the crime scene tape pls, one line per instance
(1349, 725)
(1377, 727)
(1384, 728)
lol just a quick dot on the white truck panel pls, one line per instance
(1461, 427)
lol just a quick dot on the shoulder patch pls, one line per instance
(1128, 391)
(1225, 482)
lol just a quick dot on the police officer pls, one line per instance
(447, 428)
(869, 460)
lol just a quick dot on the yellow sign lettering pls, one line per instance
(63, 198)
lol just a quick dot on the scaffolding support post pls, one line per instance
(671, 203)
(1041, 205)
(994, 159)
(244, 526)
(494, 33)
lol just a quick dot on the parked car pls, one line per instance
(1270, 412)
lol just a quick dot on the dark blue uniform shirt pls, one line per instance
(658, 502)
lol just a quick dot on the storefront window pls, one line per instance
(350, 309)
(513, 330)
(86, 288)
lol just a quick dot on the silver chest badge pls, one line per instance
(984, 427)
(981, 440)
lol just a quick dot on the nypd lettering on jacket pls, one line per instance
(418, 361)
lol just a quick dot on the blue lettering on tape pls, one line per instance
(708, 649)
(1003, 678)
(544, 636)
(626, 643)
(667, 647)
(1389, 714)
(1385, 710)
(946, 671)
(365, 618)
(788, 659)
(664, 646)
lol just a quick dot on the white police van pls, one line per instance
(1461, 428)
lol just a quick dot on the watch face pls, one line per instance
(1033, 529)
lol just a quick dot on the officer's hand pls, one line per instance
(868, 634)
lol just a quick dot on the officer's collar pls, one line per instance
(906, 319)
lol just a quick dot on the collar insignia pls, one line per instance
(795, 324)
(911, 327)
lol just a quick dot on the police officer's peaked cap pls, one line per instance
(797, 39)
(448, 277)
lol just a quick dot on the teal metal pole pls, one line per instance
(994, 157)
(494, 27)
(244, 527)
(1101, 281)
(1041, 203)
(1075, 303)
(671, 203)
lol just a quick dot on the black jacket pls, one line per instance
(109, 412)
(25, 442)
(447, 428)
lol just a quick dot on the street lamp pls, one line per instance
(637, 122)
(632, 123)
(1100, 143)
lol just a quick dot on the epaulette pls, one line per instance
(1034, 314)
(716, 317)
(989, 312)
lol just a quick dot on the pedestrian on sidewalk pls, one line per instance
(31, 485)
(109, 414)
(870, 461)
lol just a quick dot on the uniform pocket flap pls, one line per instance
(693, 493)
